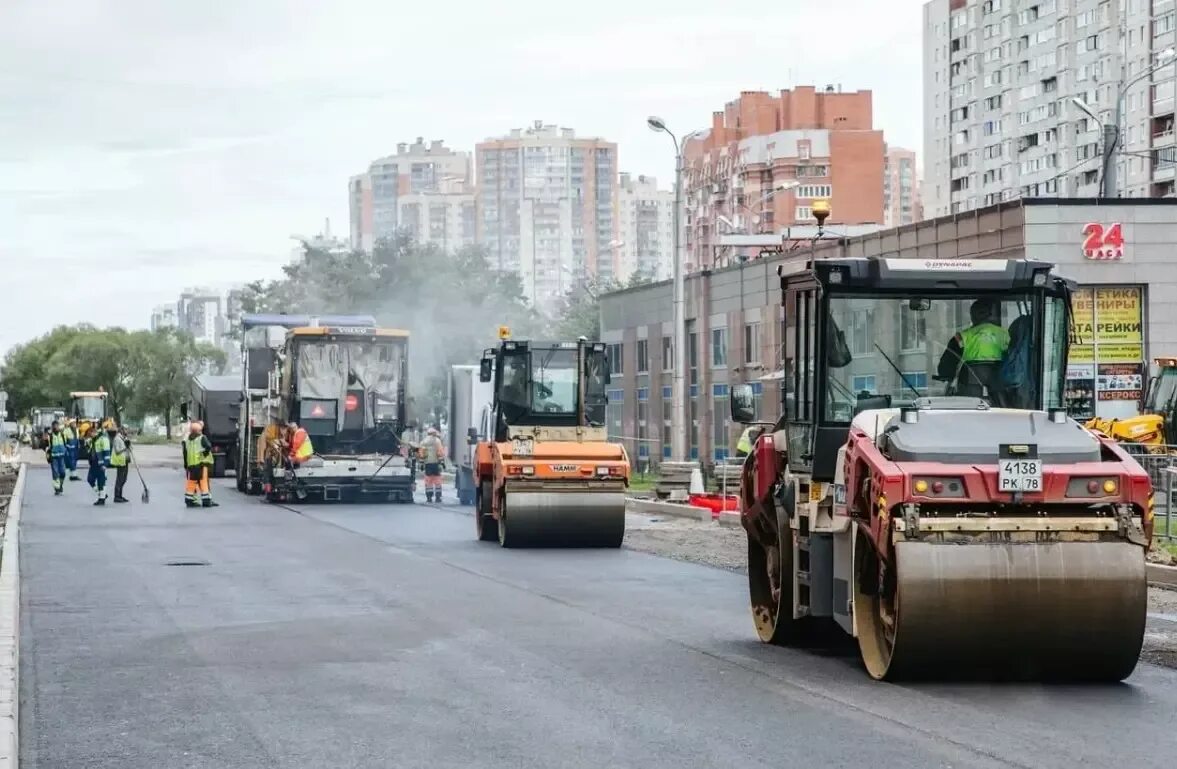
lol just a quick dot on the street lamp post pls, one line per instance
(678, 422)
(1109, 184)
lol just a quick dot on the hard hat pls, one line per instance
(108, 424)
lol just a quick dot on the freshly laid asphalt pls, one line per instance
(386, 636)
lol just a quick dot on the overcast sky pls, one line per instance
(149, 145)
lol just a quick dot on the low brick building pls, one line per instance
(1123, 253)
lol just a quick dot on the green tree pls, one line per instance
(166, 360)
(451, 302)
(139, 370)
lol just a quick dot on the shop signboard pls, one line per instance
(1105, 372)
(1108, 319)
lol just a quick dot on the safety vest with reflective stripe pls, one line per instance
(431, 449)
(56, 445)
(985, 342)
(195, 454)
(68, 433)
(100, 449)
(301, 446)
(744, 445)
(118, 454)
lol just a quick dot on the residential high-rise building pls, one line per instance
(425, 187)
(646, 216)
(164, 316)
(901, 189)
(767, 157)
(1003, 85)
(199, 313)
(547, 207)
(445, 217)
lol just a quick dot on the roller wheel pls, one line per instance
(505, 537)
(242, 476)
(770, 587)
(483, 518)
(876, 609)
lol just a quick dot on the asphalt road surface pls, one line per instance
(374, 636)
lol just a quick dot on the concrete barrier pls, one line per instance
(730, 518)
(656, 507)
(10, 629)
(1162, 576)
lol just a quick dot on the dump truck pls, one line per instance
(547, 475)
(471, 403)
(216, 402)
(949, 534)
(345, 385)
(262, 336)
(1154, 430)
(41, 419)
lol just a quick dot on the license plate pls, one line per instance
(1019, 475)
(521, 448)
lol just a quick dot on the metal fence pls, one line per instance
(1161, 464)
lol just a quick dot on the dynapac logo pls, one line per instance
(564, 468)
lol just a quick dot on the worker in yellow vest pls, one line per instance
(198, 459)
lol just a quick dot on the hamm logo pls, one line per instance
(564, 468)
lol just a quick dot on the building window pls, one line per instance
(693, 357)
(643, 440)
(721, 424)
(615, 351)
(668, 353)
(815, 191)
(643, 356)
(718, 347)
(667, 418)
(861, 327)
(751, 343)
(614, 412)
(693, 428)
(916, 379)
(913, 329)
(803, 213)
(863, 384)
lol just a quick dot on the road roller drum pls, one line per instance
(562, 519)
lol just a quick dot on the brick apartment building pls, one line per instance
(767, 157)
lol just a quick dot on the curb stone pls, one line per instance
(1162, 576)
(730, 519)
(655, 507)
(10, 629)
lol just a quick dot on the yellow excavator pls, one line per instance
(1155, 429)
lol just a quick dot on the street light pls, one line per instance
(678, 422)
(758, 215)
(1111, 131)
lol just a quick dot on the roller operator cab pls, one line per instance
(547, 475)
(929, 496)
(346, 387)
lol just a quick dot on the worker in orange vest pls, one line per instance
(301, 448)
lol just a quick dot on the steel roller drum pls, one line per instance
(563, 519)
(1042, 610)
